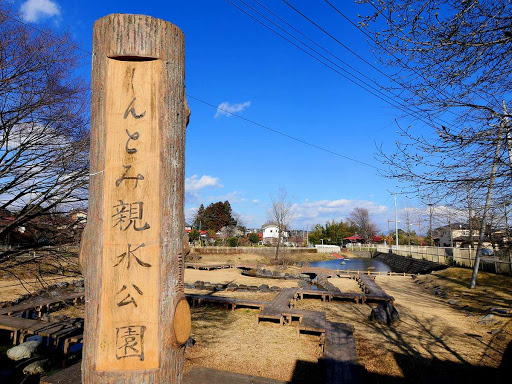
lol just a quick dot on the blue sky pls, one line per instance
(234, 61)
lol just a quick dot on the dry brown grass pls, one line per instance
(491, 290)
(232, 341)
(345, 284)
(252, 258)
(13, 288)
(71, 311)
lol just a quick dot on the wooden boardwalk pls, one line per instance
(371, 289)
(12, 319)
(340, 355)
(330, 295)
(56, 331)
(339, 361)
(283, 302)
(228, 302)
(42, 305)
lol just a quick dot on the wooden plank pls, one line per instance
(16, 323)
(340, 358)
(39, 302)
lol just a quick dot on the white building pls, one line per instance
(458, 234)
(271, 234)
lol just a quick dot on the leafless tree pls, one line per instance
(280, 213)
(43, 128)
(366, 227)
(451, 60)
(410, 217)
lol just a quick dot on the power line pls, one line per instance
(217, 108)
(355, 53)
(307, 37)
(391, 53)
(286, 135)
(379, 90)
(383, 98)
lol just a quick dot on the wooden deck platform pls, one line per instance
(340, 355)
(229, 302)
(283, 302)
(330, 295)
(42, 305)
(56, 332)
(371, 289)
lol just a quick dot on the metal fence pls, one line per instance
(463, 257)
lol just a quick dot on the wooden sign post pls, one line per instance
(137, 318)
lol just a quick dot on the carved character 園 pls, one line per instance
(130, 342)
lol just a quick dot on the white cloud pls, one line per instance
(226, 108)
(320, 211)
(194, 184)
(34, 10)
(255, 201)
(233, 197)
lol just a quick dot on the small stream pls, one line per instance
(354, 265)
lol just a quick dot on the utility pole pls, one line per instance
(451, 232)
(431, 206)
(396, 221)
(389, 232)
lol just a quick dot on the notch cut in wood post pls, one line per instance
(137, 318)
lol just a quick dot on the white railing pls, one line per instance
(325, 248)
(464, 257)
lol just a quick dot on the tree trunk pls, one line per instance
(136, 317)
(488, 199)
(277, 245)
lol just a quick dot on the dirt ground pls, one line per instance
(433, 338)
(346, 284)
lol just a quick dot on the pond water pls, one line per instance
(354, 265)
